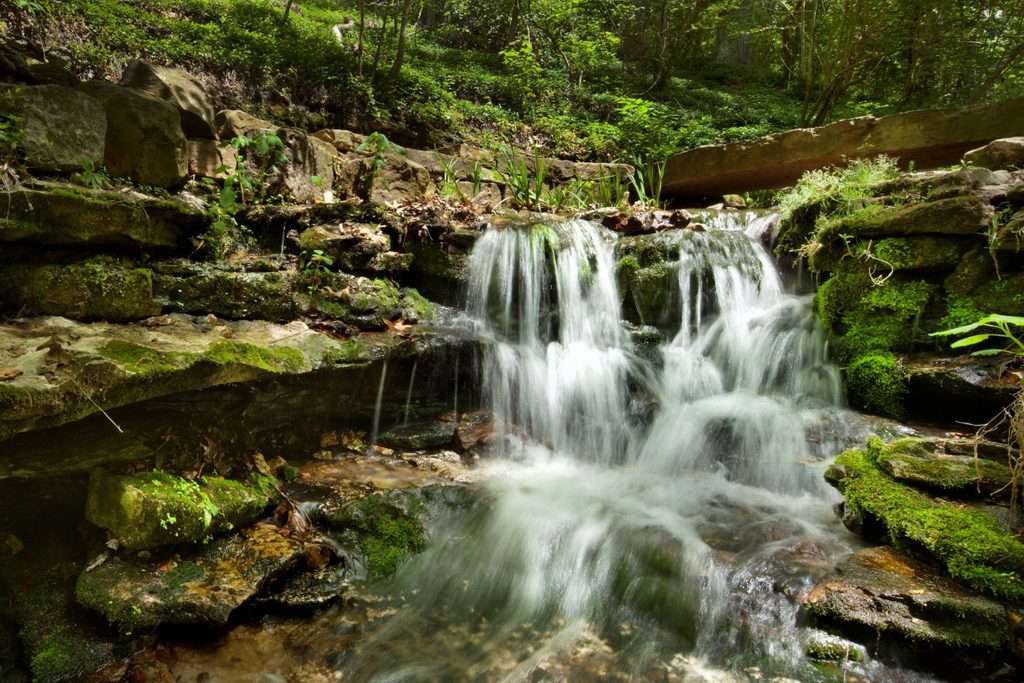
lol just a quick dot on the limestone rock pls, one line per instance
(97, 289)
(181, 89)
(963, 215)
(961, 387)
(202, 289)
(62, 129)
(53, 72)
(310, 169)
(883, 591)
(342, 140)
(203, 589)
(57, 214)
(927, 138)
(153, 509)
(353, 246)
(998, 154)
(144, 137)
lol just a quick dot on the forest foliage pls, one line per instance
(591, 79)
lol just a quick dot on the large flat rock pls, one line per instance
(927, 138)
(881, 590)
(56, 371)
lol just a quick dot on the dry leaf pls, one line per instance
(9, 374)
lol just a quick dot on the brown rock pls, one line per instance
(207, 158)
(62, 129)
(927, 138)
(144, 137)
(179, 88)
(998, 154)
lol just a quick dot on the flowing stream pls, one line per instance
(654, 511)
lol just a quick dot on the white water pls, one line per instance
(679, 538)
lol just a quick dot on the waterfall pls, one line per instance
(646, 500)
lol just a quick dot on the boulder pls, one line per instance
(353, 246)
(153, 509)
(207, 158)
(961, 215)
(61, 129)
(420, 436)
(144, 137)
(203, 588)
(179, 88)
(998, 154)
(878, 590)
(398, 181)
(231, 123)
(310, 169)
(344, 141)
(96, 289)
(13, 65)
(927, 138)
(957, 388)
(57, 214)
(921, 463)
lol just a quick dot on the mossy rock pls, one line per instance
(877, 383)
(880, 591)
(862, 316)
(232, 295)
(650, 291)
(203, 587)
(58, 214)
(920, 463)
(972, 545)
(889, 255)
(963, 215)
(388, 528)
(156, 508)
(97, 289)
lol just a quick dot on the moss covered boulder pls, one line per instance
(156, 508)
(963, 215)
(387, 528)
(96, 289)
(971, 545)
(352, 247)
(201, 588)
(58, 214)
(921, 463)
(880, 591)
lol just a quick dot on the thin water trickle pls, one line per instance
(667, 506)
(408, 394)
(377, 406)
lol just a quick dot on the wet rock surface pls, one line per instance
(201, 588)
(881, 590)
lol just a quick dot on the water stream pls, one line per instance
(648, 516)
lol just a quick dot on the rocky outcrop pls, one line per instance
(926, 138)
(144, 139)
(48, 214)
(880, 591)
(60, 129)
(58, 371)
(179, 88)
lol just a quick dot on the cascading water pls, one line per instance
(616, 540)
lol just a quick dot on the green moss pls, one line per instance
(652, 288)
(377, 296)
(143, 360)
(157, 508)
(960, 311)
(833, 650)
(60, 656)
(387, 530)
(877, 383)
(346, 353)
(862, 317)
(916, 461)
(972, 545)
(282, 359)
(416, 307)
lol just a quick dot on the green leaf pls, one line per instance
(1000, 318)
(970, 341)
(959, 330)
(989, 352)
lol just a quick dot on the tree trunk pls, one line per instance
(396, 66)
(287, 11)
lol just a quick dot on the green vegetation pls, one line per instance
(386, 527)
(972, 545)
(594, 79)
(877, 383)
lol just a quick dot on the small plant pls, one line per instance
(377, 145)
(10, 137)
(1006, 330)
(609, 191)
(92, 176)
(168, 521)
(316, 268)
(450, 182)
(647, 180)
(265, 151)
(525, 184)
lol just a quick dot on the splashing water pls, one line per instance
(620, 541)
